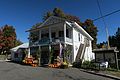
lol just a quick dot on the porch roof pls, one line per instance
(50, 21)
(112, 49)
(24, 45)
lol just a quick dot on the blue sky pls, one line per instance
(22, 14)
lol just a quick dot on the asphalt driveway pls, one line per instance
(13, 71)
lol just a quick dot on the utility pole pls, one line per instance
(107, 34)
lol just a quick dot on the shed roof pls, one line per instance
(24, 45)
(113, 49)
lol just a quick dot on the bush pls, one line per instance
(64, 65)
(88, 65)
(77, 64)
(112, 69)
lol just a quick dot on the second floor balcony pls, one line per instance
(53, 34)
(46, 41)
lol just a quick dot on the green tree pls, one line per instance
(92, 30)
(112, 41)
(102, 45)
(59, 13)
(74, 18)
(56, 12)
(47, 15)
(18, 42)
(33, 36)
(117, 35)
(115, 39)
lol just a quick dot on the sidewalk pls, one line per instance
(101, 74)
(4, 60)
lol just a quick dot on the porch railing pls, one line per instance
(54, 40)
(59, 39)
(44, 41)
(68, 40)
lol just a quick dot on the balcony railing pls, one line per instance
(54, 40)
(68, 40)
(44, 41)
(59, 39)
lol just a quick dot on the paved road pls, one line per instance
(13, 71)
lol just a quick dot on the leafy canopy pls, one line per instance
(7, 38)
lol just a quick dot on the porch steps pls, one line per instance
(79, 52)
(83, 52)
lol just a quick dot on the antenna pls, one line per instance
(108, 45)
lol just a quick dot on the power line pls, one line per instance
(107, 15)
(104, 24)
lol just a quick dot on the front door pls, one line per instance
(44, 55)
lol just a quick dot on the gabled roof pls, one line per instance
(24, 45)
(82, 30)
(51, 20)
(54, 20)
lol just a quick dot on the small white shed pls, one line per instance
(18, 53)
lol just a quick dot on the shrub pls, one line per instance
(77, 64)
(112, 69)
(88, 65)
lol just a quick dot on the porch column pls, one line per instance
(39, 56)
(49, 54)
(29, 52)
(50, 40)
(65, 32)
(73, 46)
(50, 34)
(117, 65)
(64, 40)
(39, 34)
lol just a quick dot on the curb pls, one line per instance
(4, 60)
(101, 74)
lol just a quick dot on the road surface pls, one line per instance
(13, 71)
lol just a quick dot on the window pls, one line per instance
(45, 35)
(67, 33)
(61, 33)
(16, 55)
(79, 36)
(53, 34)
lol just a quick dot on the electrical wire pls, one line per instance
(104, 24)
(107, 15)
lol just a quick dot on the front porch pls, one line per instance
(48, 54)
(60, 32)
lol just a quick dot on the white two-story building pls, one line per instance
(57, 34)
